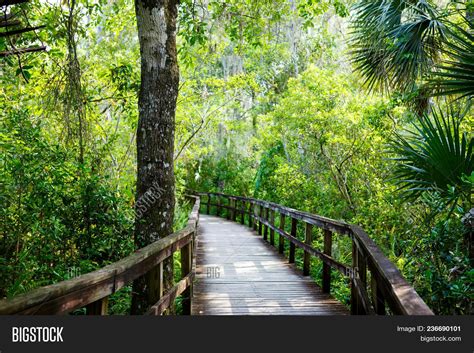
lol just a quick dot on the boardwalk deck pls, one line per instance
(238, 273)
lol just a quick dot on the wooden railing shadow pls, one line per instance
(377, 286)
(92, 290)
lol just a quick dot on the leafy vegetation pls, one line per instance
(436, 157)
(359, 111)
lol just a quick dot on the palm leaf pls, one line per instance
(394, 43)
(455, 74)
(434, 157)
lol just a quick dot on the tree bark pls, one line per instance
(156, 21)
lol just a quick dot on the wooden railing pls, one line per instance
(92, 290)
(377, 286)
(375, 282)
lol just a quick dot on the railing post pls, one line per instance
(265, 227)
(208, 203)
(307, 256)
(186, 268)
(354, 296)
(281, 239)
(234, 210)
(260, 224)
(242, 211)
(362, 274)
(326, 267)
(378, 300)
(291, 256)
(272, 223)
(155, 280)
(99, 307)
(255, 220)
(251, 213)
(218, 211)
(228, 213)
(362, 268)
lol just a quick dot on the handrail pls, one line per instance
(386, 285)
(92, 289)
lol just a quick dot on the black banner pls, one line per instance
(292, 334)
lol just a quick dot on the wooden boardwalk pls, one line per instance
(238, 273)
(233, 271)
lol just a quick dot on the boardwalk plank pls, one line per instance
(238, 273)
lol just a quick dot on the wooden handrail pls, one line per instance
(93, 288)
(319, 221)
(387, 285)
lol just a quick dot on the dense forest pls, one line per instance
(357, 110)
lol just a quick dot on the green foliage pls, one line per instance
(268, 164)
(269, 108)
(455, 74)
(436, 157)
(395, 42)
(439, 265)
(58, 213)
(321, 147)
(415, 50)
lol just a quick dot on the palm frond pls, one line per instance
(433, 157)
(394, 43)
(455, 74)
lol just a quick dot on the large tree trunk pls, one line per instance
(156, 20)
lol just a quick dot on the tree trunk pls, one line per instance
(156, 21)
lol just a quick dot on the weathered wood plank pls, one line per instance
(390, 287)
(239, 273)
